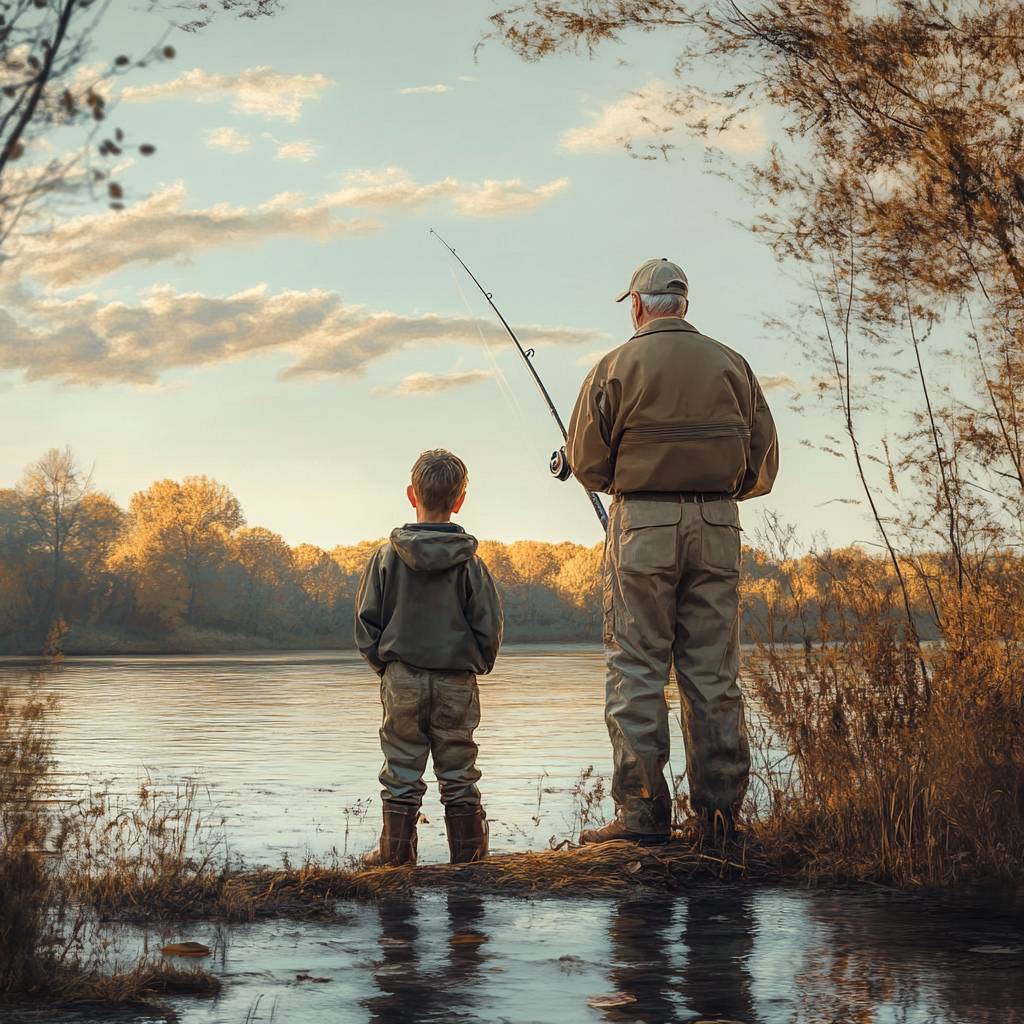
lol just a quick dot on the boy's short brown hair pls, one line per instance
(439, 480)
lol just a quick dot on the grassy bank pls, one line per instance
(48, 949)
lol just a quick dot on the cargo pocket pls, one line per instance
(649, 537)
(720, 535)
(456, 701)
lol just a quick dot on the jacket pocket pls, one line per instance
(649, 536)
(720, 535)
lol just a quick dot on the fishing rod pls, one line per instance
(559, 465)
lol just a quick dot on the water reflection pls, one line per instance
(415, 983)
(718, 936)
(674, 959)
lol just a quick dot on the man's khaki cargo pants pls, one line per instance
(671, 577)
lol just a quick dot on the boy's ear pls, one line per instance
(412, 495)
(458, 504)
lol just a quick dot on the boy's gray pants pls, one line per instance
(671, 577)
(429, 713)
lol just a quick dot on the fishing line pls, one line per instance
(558, 463)
(507, 391)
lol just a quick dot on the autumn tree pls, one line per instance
(267, 563)
(178, 540)
(321, 582)
(897, 188)
(52, 495)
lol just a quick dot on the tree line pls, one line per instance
(180, 568)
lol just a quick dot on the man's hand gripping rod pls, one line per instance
(559, 466)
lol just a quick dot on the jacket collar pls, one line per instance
(665, 323)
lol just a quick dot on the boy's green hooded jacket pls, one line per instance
(427, 600)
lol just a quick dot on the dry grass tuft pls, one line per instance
(44, 924)
(895, 766)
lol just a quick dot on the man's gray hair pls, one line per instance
(669, 304)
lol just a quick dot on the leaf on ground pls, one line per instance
(187, 949)
(633, 867)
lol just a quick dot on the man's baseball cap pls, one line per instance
(657, 277)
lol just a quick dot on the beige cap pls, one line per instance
(657, 277)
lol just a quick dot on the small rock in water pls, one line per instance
(188, 949)
(467, 939)
(309, 977)
(610, 1000)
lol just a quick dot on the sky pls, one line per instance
(271, 310)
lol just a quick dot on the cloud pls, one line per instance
(429, 383)
(656, 112)
(160, 228)
(303, 151)
(468, 78)
(778, 382)
(86, 341)
(391, 188)
(425, 88)
(591, 358)
(255, 91)
(229, 139)
(500, 198)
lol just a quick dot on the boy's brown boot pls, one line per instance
(398, 842)
(467, 832)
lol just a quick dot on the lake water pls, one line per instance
(285, 745)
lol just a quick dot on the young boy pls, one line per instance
(428, 621)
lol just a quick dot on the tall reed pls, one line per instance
(899, 765)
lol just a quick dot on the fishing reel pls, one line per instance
(559, 465)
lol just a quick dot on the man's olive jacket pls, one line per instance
(672, 410)
(427, 599)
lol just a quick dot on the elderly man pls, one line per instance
(675, 427)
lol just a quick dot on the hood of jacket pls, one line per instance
(425, 548)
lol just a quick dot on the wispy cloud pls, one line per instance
(468, 78)
(254, 91)
(501, 198)
(162, 228)
(778, 382)
(669, 116)
(86, 341)
(425, 88)
(229, 139)
(303, 151)
(429, 383)
(392, 188)
(87, 248)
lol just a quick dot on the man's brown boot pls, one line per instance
(467, 832)
(397, 839)
(616, 830)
